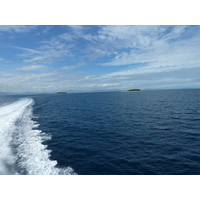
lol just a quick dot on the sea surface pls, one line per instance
(113, 133)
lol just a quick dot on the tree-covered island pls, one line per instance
(133, 90)
(61, 93)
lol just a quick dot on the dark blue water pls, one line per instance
(148, 132)
(122, 133)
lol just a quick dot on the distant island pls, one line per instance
(133, 90)
(61, 93)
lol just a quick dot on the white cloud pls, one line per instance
(67, 36)
(72, 66)
(40, 82)
(77, 29)
(16, 28)
(148, 79)
(48, 55)
(135, 56)
(130, 36)
(31, 67)
(168, 52)
(48, 52)
(31, 51)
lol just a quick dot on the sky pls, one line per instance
(87, 58)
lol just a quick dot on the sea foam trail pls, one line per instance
(21, 148)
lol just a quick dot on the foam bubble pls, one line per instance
(21, 147)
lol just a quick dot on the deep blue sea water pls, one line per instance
(116, 133)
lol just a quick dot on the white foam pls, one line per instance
(21, 148)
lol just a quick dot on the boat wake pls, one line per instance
(21, 144)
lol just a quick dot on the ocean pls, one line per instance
(110, 133)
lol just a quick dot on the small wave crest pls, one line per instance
(21, 144)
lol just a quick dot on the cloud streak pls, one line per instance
(30, 68)
(73, 66)
(16, 29)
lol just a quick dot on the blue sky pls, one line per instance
(98, 58)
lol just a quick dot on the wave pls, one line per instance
(21, 144)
